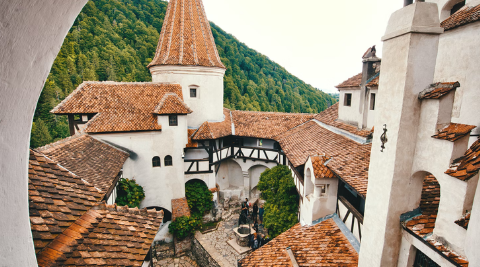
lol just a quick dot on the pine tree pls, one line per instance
(40, 135)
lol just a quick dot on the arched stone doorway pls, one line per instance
(254, 174)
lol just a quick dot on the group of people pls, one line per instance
(256, 239)
(255, 211)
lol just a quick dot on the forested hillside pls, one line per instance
(116, 39)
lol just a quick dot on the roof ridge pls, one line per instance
(65, 140)
(126, 209)
(274, 112)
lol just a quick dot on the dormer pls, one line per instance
(359, 93)
(170, 111)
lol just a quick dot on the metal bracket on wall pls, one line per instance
(383, 137)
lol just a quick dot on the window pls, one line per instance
(421, 260)
(260, 142)
(347, 101)
(172, 120)
(168, 161)
(372, 101)
(156, 161)
(193, 92)
(457, 7)
(323, 190)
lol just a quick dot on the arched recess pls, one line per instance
(196, 179)
(230, 175)
(450, 7)
(167, 215)
(309, 186)
(254, 173)
(424, 193)
(32, 34)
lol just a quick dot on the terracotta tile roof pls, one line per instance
(90, 159)
(454, 131)
(424, 224)
(120, 106)
(354, 81)
(349, 160)
(214, 130)
(171, 104)
(322, 244)
(465, 15)
(186, 38)
(320, 168)
(330, 117)
(105, 235)
(266, 124)
(463, 222)
(437, 90)
(57, 198)
(457, 258)
(468, 165)
(191, 143)
(180, 208)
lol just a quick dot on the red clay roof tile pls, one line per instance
(119, 106)
(90, 159)
(465, 15)
(214, 130)
(322, 244)
(437, 90)
(454, 131)
(172, 104)
(468, 165)
(320, 168)
(349, 159)
(180, 208)
(330, 117)
(354, 81)
(186, 38)
(47, 220)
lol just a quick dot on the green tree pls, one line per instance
(40, 135)
(129, 193)
(199, 197)
(280, 194)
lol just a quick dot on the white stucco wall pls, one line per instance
(254, 173)
(371, 113)
(32, 33)
(349, 114)
(457, 60)
(208, 105)
(161, 184)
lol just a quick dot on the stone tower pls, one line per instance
(186, 54)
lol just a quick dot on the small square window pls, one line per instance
(323, 190)
(372, 101)
(172, 120)
(347, 101)
(193, 92)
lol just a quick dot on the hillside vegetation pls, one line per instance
(116, 39)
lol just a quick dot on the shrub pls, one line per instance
(184, 226)
(281, 207)
(199, 198)
(129, 193)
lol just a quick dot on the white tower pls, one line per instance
(186, 54)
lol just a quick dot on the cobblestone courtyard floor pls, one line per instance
(183, 261)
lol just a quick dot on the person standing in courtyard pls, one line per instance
(260, 214)
(255, 210)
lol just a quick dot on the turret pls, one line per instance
(187, 54)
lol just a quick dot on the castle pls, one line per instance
(404, 133)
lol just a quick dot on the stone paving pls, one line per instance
(183, 261)
(218, 239)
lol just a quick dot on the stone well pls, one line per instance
(241, 235)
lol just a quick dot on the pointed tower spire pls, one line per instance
(186, 38)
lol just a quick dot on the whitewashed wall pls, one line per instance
(161, 184)
(208, 105)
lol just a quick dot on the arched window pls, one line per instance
(156, 162)
(168, 161)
